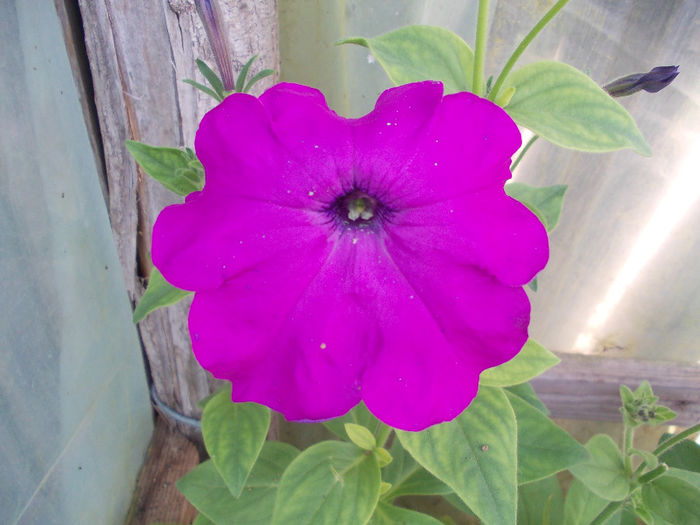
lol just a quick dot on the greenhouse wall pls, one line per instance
(75, 417)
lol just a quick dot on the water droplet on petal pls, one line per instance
(435, 164)
(311, 193)
(323, 346)
(316, 146)
(354, 241)
(452, 211)
(411, 296)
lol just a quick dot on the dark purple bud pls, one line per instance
(653, 81)
(208, 11)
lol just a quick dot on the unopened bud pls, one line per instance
(653, 81)
(210, 15)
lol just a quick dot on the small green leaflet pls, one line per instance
(330, 482)
(545, 202)
(417, 53)
(566, 107)
(604, 473)
(159, 293)
(530, 362)
(475, 454)
(234, 434)
(176, 169)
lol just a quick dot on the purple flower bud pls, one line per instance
(651, 82)
(208, 11)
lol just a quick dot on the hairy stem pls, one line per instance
(627, 440)
(608, 511)
(663, 447)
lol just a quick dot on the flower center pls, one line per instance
(357, 209)
(361, 208)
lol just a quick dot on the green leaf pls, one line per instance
(206, 490)
(257, 78)
(544, 448)
(475, 454)
(662, 414)
(203, 402)
(544, 202)
(159, 293)
(234, 434)
(169, 166)
(416, 53)
(203, 88)
(383, 458)
(361, 436)
(604, 473)
(693, 478)
(330, 482)
(386, 514)
(567, 108)
(408, 478)
(683, 455)
(582, 506)
(540, 503)
(212, 78)
(672, 498)
(359, 416)
(530, 362)
(201, 519)
(532, 285)
(240, 81)
(626, 395)
(525, 392)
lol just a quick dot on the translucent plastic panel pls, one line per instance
(74, 409)
(623, 275)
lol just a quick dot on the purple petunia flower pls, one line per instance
(336, 260)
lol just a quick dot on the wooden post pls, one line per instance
(139, 52)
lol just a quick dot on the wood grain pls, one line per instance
(156, 498)
(587, 387)
(139, 52)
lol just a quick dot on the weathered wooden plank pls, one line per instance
(587, 387)
(139, 52)
(156, 498)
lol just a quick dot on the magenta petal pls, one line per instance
(200, 244)
(446, 324)
(335, 260)
(295, 340)
(386, 139)
(466, 147)
(486, 229)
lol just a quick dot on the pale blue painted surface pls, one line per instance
(75, 417)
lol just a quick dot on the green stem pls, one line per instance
(607, 512)
(627, 440)
(522, 153)
(671, 442)
(653, 474)
(480, 48)
(383, 434)
(663, 447)
(523, 45)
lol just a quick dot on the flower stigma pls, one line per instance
(357, 208)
